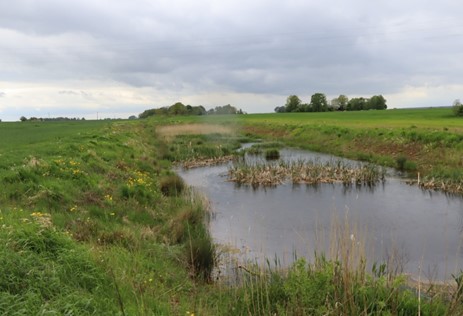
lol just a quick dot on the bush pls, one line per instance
(457, 108)
(172, 185)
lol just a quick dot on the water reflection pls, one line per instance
(420, 230)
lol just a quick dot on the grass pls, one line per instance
(87, 213)
(93, 222)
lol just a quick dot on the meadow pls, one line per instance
(93, 221)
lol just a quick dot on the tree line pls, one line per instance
(319, 103)
(180, 109)
(46, 119)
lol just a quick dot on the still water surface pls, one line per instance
(423, 228)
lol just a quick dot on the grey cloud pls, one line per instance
(270, 47)
(2, 94)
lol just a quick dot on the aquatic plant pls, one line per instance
(305, 172)
(272, 154)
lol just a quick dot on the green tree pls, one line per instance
(319, 103)
(198, 110)
(377, 102)
(342, 102)
(280, 109)
(178, 109)
(357, 104)
(292, 104)
(457, 108)
(225, 109)
(147, 113)
(23, 118)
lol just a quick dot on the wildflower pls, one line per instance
(73, 209)
(112, 213)
(108, 198)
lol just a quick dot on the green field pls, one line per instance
(93, 221)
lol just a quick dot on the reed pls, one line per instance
(305, 172)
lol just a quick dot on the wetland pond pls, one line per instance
(421, 231)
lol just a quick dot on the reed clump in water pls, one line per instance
(305, 172)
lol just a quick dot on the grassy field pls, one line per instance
(93, 221)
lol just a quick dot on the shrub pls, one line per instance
(172, 185)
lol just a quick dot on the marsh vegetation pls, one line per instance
(305, 172)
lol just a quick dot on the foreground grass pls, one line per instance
(94, 222)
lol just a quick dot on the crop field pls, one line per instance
(93, 220)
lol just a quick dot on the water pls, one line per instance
(423, 228)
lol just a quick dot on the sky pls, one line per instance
(116, 58)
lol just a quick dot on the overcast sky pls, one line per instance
(120, 57)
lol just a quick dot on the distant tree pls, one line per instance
(197, 110)
(457, 108)
(280, 109)
(161, 111)
(178, 109)
(357, 104)
(147, 113)
(305, 107)
(377, 102)
(318, 102)
(292, 104)
(23, 118)
(342, 102)
(225, 109)
(132, 117)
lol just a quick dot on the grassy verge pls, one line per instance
(94, 222)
